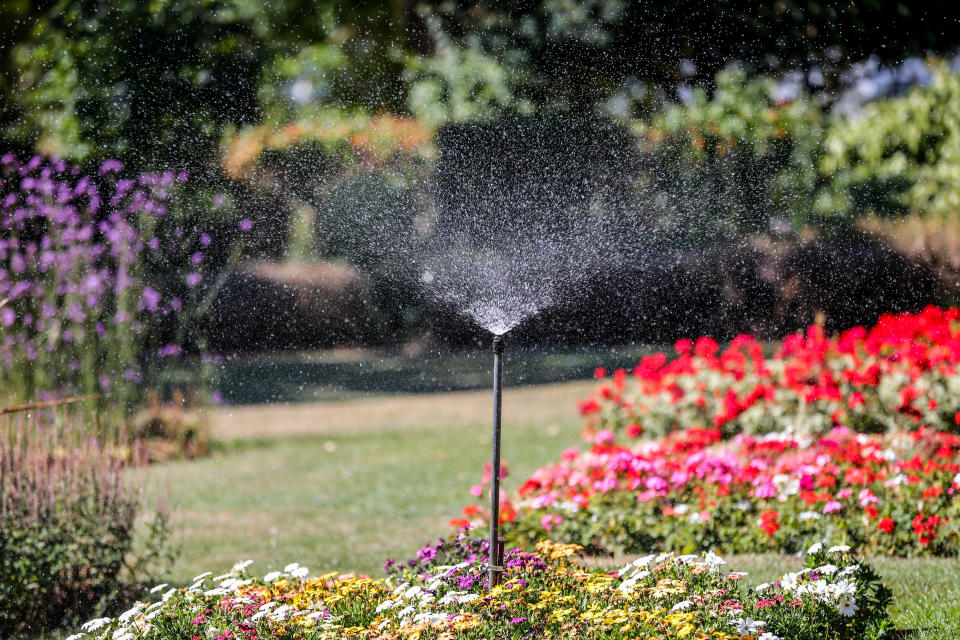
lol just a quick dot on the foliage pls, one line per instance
(755, 154)
(898, 155)
(544, 594)
(69, 540)
(157, 83)
(168, 430)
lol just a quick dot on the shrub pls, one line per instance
(546, 594)
(897, 155)
(68, 518)
(754, 152)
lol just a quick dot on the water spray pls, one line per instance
(496, 545)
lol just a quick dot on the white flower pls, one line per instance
(680, 606)
(470, 597)
(762, 587)
(956, 479)
(768, 636)
(291, 567)
(827, 569)
(840, 548)
(684, 559)
(273, 575)
(300, 572)
(159, 587)
(383, 606)
(644, 561)
(130, 613)
(96, 623)
(747, 626)
(713, 561)
(202, 576)
(75, 636)
(809, 515)
(853, 568)
(849, 607)
(815, 548)
(240, 566)
(169, 594)
(406, 611)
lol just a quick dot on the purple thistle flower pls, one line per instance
(246, 224)
(193, 279)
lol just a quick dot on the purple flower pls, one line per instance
(517, 620)
(150, 300)
(218, 200)
(246, 224)
(8, 316)
(205, 239)
(110, 165)
(196, 258)
(193, 279)
(169, 350)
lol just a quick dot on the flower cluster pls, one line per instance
(900, 374)
(897, 493)
(75, 298)
(545, 594)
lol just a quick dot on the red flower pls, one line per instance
(933, 491)
(886, 525)
(926, 528)
(599, 372)
(588, 406)
(683, 346)
(770, 522)
(871, 511)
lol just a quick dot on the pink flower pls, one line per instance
(832, 506)
(476, 490)
(604, 437)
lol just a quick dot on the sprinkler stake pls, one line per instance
(496, 548)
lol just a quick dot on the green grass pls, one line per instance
(337, 502)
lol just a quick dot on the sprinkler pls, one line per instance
(496, 545)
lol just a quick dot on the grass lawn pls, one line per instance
(343, 486)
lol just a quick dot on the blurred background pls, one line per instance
(777, 162)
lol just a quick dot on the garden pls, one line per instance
(252, 258)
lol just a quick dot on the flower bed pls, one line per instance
(727, 481)
(544, 594)
(900, 374)
(893, 494)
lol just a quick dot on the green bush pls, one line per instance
(69, 541)
(748, 154)
(898, 155)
